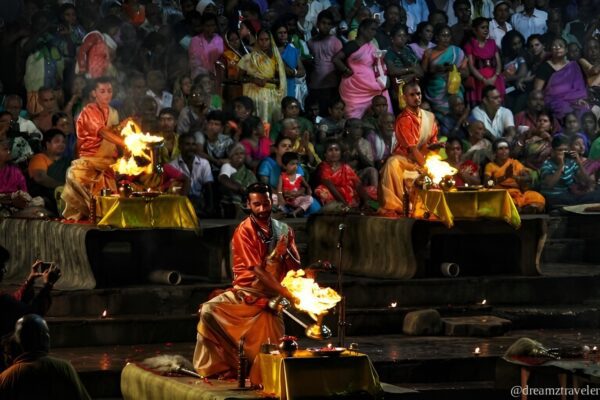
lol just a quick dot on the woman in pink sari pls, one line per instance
(364, 74)
(485, 64)
(562, 83)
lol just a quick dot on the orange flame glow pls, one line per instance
(138, 144)
(438, 169)
(104, 314)
(314, 300)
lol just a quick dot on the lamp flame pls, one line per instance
(438, 169)
(393, 304)
(483, 302)
(313, 299)
(477, 351)
(104, 314)
(139, 145)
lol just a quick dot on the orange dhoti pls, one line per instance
(529, 198)
(86, 177)
(224, 320)
(391, 184)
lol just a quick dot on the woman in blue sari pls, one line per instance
(290, 56)
(437, 63)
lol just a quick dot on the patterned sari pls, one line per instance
(436, 90)
(267, 98)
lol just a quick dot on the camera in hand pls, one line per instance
(43, 266)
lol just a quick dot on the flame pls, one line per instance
(438, 169)
(477, 351)
(312, 298)
(104, 314)
(393, 304)
(483, 302)
(138, 145)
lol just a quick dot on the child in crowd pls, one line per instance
(293, 192)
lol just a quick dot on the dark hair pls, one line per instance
(497, 143)
(289, 100)
(397, 28)
(280, 138)
(259, 187)
(246, 101)
(501, 3)
(109, 22)
(436, 12)
(279, 23)
(486, 90)
(102, 80)
(420, 28)
(64, 7)
(559, 140)
(366, 23)
(209, 17)
(249, 125)
(168, 110)
(50, 134)
(185, 136)
(216, 115)
(334, 101)
(508, 54)
(57, 116)
(478, 21)
(331, 142)
(326, 14)
(533, 37)
(438, 28)
(289, 156)
(3, 113)
(452, 139)
(461, 2)
(588, 114)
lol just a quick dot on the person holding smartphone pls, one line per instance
(25, 300)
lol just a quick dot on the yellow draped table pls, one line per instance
(308, 376)
(164, 211)
(448, 206)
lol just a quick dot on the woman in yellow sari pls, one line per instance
(510, 174)
(263, 76)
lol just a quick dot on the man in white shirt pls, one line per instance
(530, 20)
(198, 171)
(13, 104)
(498, 120)
(499, 25)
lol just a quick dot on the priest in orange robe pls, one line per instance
(262, 250)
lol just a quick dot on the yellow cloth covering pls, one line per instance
(164, 211)
(493, 204)
(306, 376)
(138, 383)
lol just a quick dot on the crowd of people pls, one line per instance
(308, 97)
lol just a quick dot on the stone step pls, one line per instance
(564, 250)
(550, 317)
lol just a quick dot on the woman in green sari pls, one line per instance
(437, 63)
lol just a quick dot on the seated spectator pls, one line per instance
(477, 147)
(529, 117)
(337, 181)
(242, 108)
(590, 64)
(14, 105)
(61, 121)
(214, 143)
(563, 177)
(508, 173)
(147, 117)
(468, 171)
(181, 92)
(301, 143)
(197, 170)
(382, 139)
(290, 108)
(48, 169)
(534, 145)
(167, 124)
(423, 36)
(571, 128)
(20, 151)
(193, 115)
(208, 87)
(589, 126)
(455, 123)
(34, 374)
(497, 120)
(562, 82)
(254, 140)
(379, 106)
(293, 192)
(332, 126)
(270, 168)
(358, 153)
(234, 178)
(47, 106)
(591, 167)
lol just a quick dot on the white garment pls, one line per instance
(227, 170)
(199, 175)
(502, 120)
(28, 126)
(530, 25)
(497, 33)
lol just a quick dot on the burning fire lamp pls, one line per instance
(393, 304)
(440, 172)
(104, 314)
(143, 149)
(477, 352)
(483, 302)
